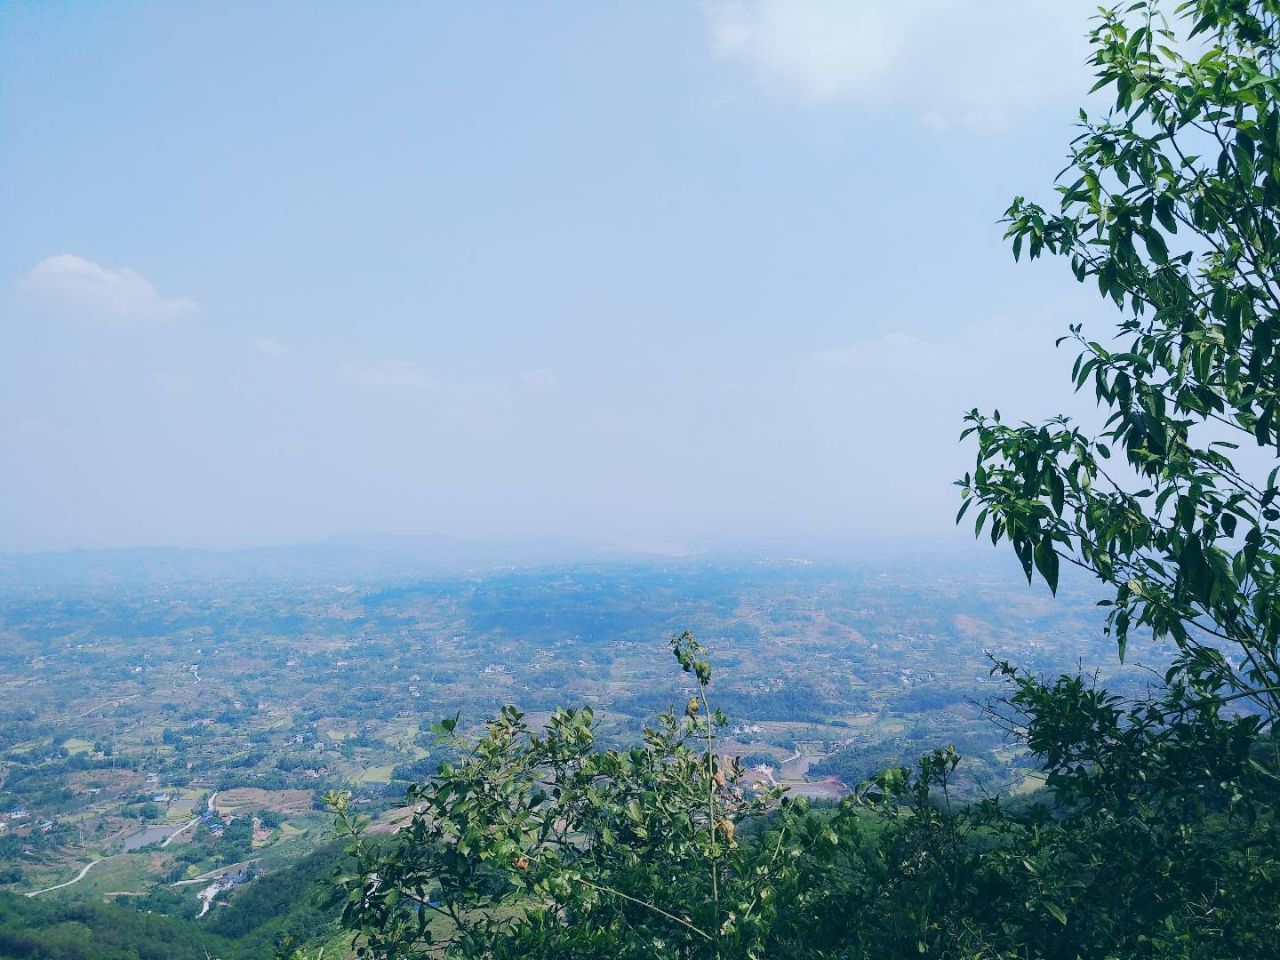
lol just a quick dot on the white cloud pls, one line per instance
(400, 375)
(872, 387)
(407, 377)
(953, 64)
(540, 379)
(892, 352)
(266, 347)
(877, 421)
(173, 381)
(88, 289)
(39, 429)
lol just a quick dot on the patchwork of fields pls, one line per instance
(173, 729)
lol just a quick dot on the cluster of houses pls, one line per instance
(908, 676)
(235, 878)
(20, 822)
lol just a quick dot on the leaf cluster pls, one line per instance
(538, 842)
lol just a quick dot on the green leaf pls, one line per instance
(1156, 245)
(1046, 559)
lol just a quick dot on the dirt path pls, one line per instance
(78, 877)
(179, 832)
(188, 825)
(114, 701)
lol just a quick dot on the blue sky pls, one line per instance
(654, 274)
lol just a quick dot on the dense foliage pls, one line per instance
(1155, 833)
(1156, 837)
(287, 908)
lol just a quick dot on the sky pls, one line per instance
(661, 275)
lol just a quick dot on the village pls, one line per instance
(210, 738)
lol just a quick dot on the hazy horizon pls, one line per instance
(835, 548)
(681, 275)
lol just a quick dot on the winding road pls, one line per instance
(179, 832)
(78, 877)
(93, 863)
(189, 824)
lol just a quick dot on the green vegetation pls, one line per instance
(1155, 834)
(1156, 838)
(258, 922)
(845, 663)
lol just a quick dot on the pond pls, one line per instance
(146, 837)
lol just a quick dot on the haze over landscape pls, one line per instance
(585, 481)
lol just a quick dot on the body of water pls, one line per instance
(147, 836)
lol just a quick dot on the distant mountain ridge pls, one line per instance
(366, 557)
(345, 557)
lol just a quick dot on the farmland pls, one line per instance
(172, 727)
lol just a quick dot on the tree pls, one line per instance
(1171, 205)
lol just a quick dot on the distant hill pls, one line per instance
(346, 558)
(367, 557)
